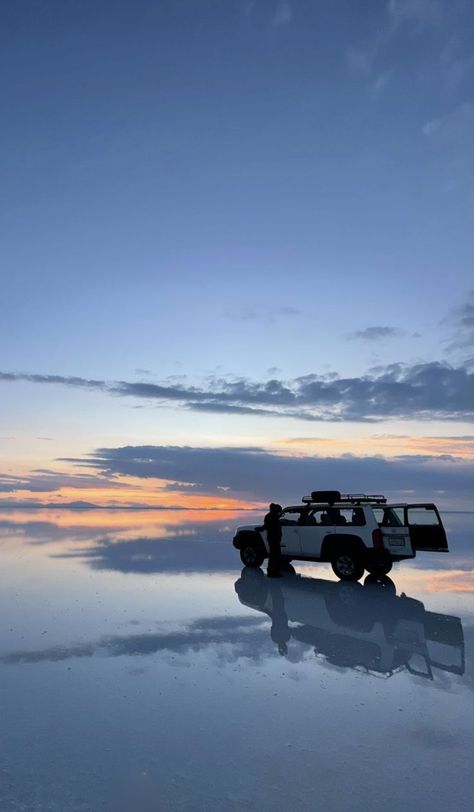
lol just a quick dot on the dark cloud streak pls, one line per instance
(376, 333)
(435, 390)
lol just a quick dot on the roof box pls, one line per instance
(326, 497)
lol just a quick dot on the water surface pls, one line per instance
(140, 668)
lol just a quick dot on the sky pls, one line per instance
(236, 250)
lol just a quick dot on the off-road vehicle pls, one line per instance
(354, 532)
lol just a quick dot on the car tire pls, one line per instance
(347, 566)
(251, 556)
(380, 570)
(381, 583)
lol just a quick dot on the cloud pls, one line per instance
(283, 14)
(431, 126)
(398, 14)
(461, 322)
(432, 390)
(455, 446)
(360, 60)
(264, 313)
(421, 13)
(380, 83)
(377, 333)
(450, 140)
(257, 474)
(455, 128)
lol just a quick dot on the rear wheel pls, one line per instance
(380, 583)
(251, 556)
(347, 566)
(381, 570)
(379, 563)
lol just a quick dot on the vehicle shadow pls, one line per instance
(362, 626)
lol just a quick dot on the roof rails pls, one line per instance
(351, 498)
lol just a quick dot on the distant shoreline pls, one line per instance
(142, 508)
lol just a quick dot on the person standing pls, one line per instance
(273, 527)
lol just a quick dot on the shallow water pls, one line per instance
(140, 669)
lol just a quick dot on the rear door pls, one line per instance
(426, 528)
(396, 537)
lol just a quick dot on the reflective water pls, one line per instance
(141, 669)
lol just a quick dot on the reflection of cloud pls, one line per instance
(45, 481)
(56, 525)
(203, 551)
(238, 636)
(46, 532)
(451, 581)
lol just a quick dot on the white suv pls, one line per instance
(353, 532)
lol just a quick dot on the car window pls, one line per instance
(339, 516)
(392, 517)
(321, 516)
(290, 516)
(422, 516)
(389, 517)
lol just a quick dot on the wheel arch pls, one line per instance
(246, 537)
(334, 542)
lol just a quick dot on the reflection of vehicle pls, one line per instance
(365, 627)
(352, 532)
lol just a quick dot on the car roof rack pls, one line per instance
(350, 498)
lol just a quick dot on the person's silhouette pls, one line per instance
(280, 631)
(273, 527)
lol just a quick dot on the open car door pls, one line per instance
(426, 528)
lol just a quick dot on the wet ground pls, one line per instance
(141, 669)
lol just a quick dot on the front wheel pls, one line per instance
(250, 556)
(347, 566)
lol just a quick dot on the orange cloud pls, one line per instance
(390, 445)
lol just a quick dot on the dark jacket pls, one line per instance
(272, 525)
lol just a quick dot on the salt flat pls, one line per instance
(141, 669)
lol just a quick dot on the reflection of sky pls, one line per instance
(129, 682)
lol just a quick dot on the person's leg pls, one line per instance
(273, 569)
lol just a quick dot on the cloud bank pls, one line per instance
(257, 474)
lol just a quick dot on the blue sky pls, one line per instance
(217, 194)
